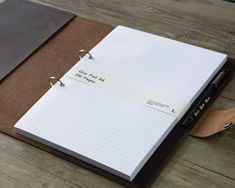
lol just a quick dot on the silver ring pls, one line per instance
(84, 52)
(53, 80)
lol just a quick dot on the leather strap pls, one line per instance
(214, 121)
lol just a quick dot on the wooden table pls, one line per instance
(197, 162)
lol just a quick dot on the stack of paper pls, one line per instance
(100, 115)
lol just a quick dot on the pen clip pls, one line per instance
(220, 77)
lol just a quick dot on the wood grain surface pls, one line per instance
(197, 162)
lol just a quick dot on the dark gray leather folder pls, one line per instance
(25, 26)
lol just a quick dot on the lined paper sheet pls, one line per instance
(158, 62)
(105, 130)
(109, 131)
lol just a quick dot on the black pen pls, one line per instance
(212, 90)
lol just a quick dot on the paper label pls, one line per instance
(90, 74)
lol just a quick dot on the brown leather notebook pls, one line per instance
(24, 26)
(21, 89)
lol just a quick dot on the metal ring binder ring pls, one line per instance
(54, 79)
(85, 52)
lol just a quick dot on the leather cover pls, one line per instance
(21, 89)
(213, 121)
(24, 26)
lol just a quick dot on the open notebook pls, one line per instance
(116, 109)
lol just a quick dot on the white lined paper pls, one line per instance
(158, 62)
(76, 120)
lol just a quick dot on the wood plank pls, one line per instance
(215, 153)
(180, 173)
(229, 91)
(222, 103)
(203, 23)
(28, 166)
